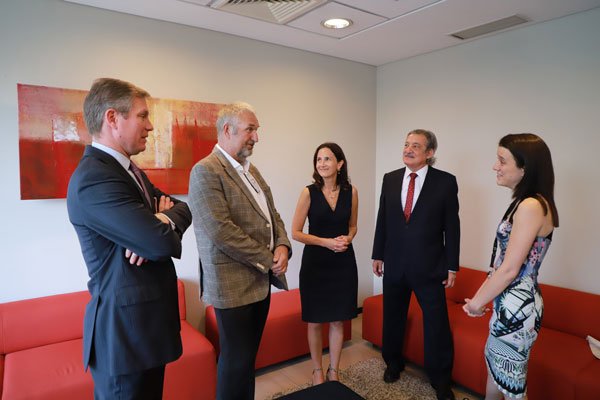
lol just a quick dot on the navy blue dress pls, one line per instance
(328, 280)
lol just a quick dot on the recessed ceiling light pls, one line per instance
(337, 23)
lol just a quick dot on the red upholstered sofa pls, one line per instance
(561, 364)
(284, 336)
(41, 352)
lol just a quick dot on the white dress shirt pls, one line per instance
(419, 180)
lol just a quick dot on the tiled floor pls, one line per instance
(277, 378)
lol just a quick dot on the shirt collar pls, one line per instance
(243, 167)
(121, 159)
(421, 173)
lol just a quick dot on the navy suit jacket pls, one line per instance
(132, 320)
(428, 245)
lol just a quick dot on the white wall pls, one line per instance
(543, 79)
(302, 99)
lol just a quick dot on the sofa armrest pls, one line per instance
(1, 373)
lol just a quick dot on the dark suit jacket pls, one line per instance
(233, 234)
(428, 245)
(132, 321)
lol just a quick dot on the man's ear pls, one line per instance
(227, 130)
(110, 117)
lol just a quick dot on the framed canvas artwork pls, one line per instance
(52, 136)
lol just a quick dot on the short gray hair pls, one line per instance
(432, 143)
(229, 114)
(107, 93)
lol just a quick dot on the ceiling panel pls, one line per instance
(312, 20)
(388, 8)
(413, 27)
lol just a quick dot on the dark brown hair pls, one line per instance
(342, 178)
(533, 155)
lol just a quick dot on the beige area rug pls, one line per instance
(366, 379)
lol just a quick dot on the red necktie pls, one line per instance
(409, 196)
(138, 176)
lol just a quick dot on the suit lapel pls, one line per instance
(112, 163)
(235, 176)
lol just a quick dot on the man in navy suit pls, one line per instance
(128, 231)
(417, 239)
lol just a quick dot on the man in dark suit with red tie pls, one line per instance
(128, 231)
(416, 248)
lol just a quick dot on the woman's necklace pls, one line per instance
(332, 193)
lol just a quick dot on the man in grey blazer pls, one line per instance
(242, 244)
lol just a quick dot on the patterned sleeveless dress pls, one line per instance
(516, 318)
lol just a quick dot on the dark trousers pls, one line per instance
(145, 385)
(240, 331)
(439, 350)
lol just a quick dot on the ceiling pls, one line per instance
(382, 31)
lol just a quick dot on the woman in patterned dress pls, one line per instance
(524, 165)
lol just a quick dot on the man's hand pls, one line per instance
(163, 218)
(378, 268)
(448, 283)
(280, 260)
(134, 258)
(165, 203)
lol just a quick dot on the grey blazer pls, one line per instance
(233, 234)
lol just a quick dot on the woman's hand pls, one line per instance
(337, 245)
(473, 312)
(346, 239)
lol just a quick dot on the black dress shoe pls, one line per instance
(445, 394)
(391, 374)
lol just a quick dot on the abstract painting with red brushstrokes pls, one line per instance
(52, 136)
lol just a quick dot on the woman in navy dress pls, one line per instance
(328, 274)
(524, 165)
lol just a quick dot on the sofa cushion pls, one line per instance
(587, 385)
(469, 336)
(556, 360)
(51, 372)
(467, 282)
(194, 375)
(414, 341)
(372, 318)
(559, 304)
(372, 327)
(284, 325)
(285, 328)
(31, 323)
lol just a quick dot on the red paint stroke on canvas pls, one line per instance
(52, 136)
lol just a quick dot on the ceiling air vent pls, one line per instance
(490, 27)
(276, 11)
